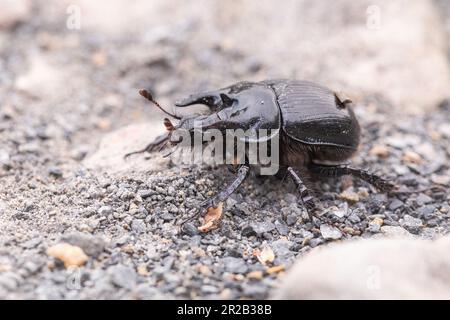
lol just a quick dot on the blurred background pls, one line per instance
(79, 63)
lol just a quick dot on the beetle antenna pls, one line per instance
(147, 95)
(168, 124)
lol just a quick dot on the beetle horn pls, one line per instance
(211, 99)
(202, 122)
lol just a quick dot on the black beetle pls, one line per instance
(318, 129)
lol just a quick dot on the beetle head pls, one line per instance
(244, 105)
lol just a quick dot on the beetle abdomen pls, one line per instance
(311, 115)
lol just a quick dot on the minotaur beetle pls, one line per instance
(317, 127)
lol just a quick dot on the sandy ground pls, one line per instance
(69, 110)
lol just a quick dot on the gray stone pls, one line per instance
(282, 251)
(262, 227)
(445, 130)
(248, 231)
(255, 291)
(208, 289)
(282, 227)
(104, 210)
(234, 265)
(329, 232)
(121, 240)
(123, 276)
(231, 202)
(32, 243)
(315, 242)
(340, 211)
(55, 172)
(9, 281)
(145, 193)
(167, 217)
(138, 226)
(291, 219)
(410, 223)
(395, 231)
(395, 204)
(4, 158)
(423, 199)
(427, 212)
(92, 245)
(190, 229)
(32, 267)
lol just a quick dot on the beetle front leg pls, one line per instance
(156, 145)
(337, 171)
(222, 195)
(229, 190)
(307, 199)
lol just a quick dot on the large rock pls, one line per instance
(109, 157)
(371, 269)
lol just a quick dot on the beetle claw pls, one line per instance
(204, 206)
(208, 203)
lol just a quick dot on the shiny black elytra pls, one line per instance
(318, 129)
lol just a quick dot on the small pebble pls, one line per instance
(190, 229)
(72, 256)
(291, 220)
(411, 224)
(349, 196)
(281, 227)
(104, 210)
(412, 157)
(394, 231)
(396, 204)
(234, 265)
(423, 199)
(379, 151)
(262, 227)
(123, 276)
(55, 172)
(329, 232)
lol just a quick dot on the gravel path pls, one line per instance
(61, 92)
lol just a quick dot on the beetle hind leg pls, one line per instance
(305, 195)
(337, 171)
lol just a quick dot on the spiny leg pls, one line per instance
(156, 145)
(307, 199)
(228, 191)
(224, 194)
(341, 170)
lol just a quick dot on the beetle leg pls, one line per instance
(222, 195)
(337, 171)
(307, 199)
(158, 144)
(232, 168)
(228, 191)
